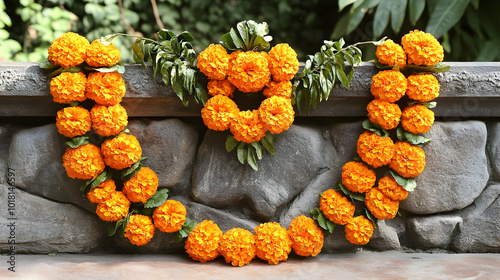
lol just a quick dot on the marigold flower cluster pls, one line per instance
(84, 162)
(68, 50)
(105, 88)
(375, 150)
(389, 85)
(417, 119)
(250, 71)
(273, 88)
(384, 113)
(277, 114)
(115, 208)
(359, 230)
(73, 121)
(357, 177)
(122, 151)
(170, 216)
(214, 62)
(283, 62)
(272, 242)
(102, 192)
(422, 87)
(380, 205)
(388, 186)
(202, 243)
(422, 48)
(220, 87)
(68, 87)
(336, 207)
(108, 121)
(391, 54)
(142, 186)
(140, 229)
(248, 127)
(408, 160)
(307, 237)
(238, 246)
(99, 55)
(219, 112)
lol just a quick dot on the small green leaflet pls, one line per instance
(368, 125)
(372, 218)
(119, 225)
(231, 143)
(322, 221)
(348, 193)
(414, 139)
(130, 172)
(77, 141)
(408, 184)
(120, 68)
(251, 152)
(186, 229)
(157, 199)
(93, 183)
(430, 104)
(438, 68)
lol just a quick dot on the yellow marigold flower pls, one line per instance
(140, 230)
(250, 72)
(170, 216)
(108, 121)
(380, 205)
(277, 114)
(384, 113)
(114, 208)
(307, 237)
(357, 177)
(68, 87)
(359, 230)
(422, 48)
(391, 54)
(220, 87)
(202, 243)
(219, 112)
(238, 246)
(272, 242)
(336, 207)
(105, 88)
(389, 85)
(248, 127)
(142, 186)
(73, 121)
(122, 151)
(422, 87)
(282, 89)
(99, 55)
(283, 62)
(417, 119)
(84, 162)
(102, 192)
(375, 150)
(214, 62)
(388, 186)
(408, 160)
(68, 50)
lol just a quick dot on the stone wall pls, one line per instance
(455, 208)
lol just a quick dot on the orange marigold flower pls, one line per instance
(238, 246)
(380, 205)
(68, 87)
(273, 88)
(389, 85)
(422, 87)
(219, 112)
(170, 216)
(417, 119)
(277, 114)
(102, 192)
(214, 62)
(408, 160)
(336, 207)
(105, 88)
(388, 186)
(359, 230)
(422, 48)
(375, 150)
(84, 162)
(68, 50)
(99, 55)
(142, 186)
(357, 177)
(283, 62)
(248, 127)
(273, 243)
(384, 113)
(250, 71)
(140, 230)
(307, 237)
(220, 87)
(73, 121)
(233, 56)
(391, 54)
(114, 208)
(122, 151)
(108, 121)
(202, 244)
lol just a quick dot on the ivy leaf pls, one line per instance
(130, 172)
(231, 143)
(186, 229)
(372, 218)
(322, 221)
(408, 184)
(368, 125)
(157, 199)
(77, 141)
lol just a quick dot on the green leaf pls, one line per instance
(243, 31)
(236, 39)
(416, 8)
(45, 64)
(258, 149)
(445, 15)
(241, 152)
(93, 183)
(438, 68)
(118, 68)
(408, 184)
(77, 141)
(251, 158)
(186, 229)
(322, 221)
(357, 15)
(376, 128)
(414, 139)
(398, 11)
(372, 218)
(345, 3)
(130, 172)
(119, 225)
(157, 199)
(268, 144)
(231, 143)
(108, 39)
(352, 195)
(381, 18)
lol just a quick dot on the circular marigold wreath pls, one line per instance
(137, 207)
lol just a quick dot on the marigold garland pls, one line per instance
(388, 186)
(283, 62)
(359, 230)
(84, 162)
(250, 71)
(282, 89)
(417, 119)
(391, 54)
(68, 50)
(142, 186)
(114, 208)
(238, 246)
(99, 55)
(277, 114)
(122, 151)
(219, 112)
(170, 216)
(220, 87)
(336, 207)
(214, 62)
(422, 48)
(272, 242)
(105, 88)
(73, 121)
(140, 230)
(307, 237)
(357, 177)
(108, 120)
(247, 127)
(384, 113)
(202, 243)
(408, 160)
(69, 87)
(380, 205)
(422, 87)
(375, 150)
(102, 192)
(389, 85)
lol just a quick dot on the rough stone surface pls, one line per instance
(456, 171)
(5, 137)
(384, 238)
(433, 232)
(494, 149)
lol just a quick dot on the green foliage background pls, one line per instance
(467, 28)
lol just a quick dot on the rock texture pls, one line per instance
(494, 149)
(434, 232)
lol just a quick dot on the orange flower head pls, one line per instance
(307, 237)
(68, 50)
(336, 207)
(68, 87)
(388, 186)
(384, 113)
(84, 162)
(283, 62)
(170, 216)
(202, 243)
(140, 230)
(99, 55)
(359, 230)
(102, 192)
(214, 62)
(248, 127)
(238, 246)
(142, 186)
(273, 243)
(391, 54)
(357, 177)
(417, 119)
(380, 205)
(422, 87)
(422, 48)
(219, 112)
(389, 85)
(408, 160)
(375, 150)
(250, 71)
(73, 121)
(105, 88)
(277, 114)
(233, 56)
(114, 208)
(122, 151)
(282, 89)
(108, 121)
(220, 87)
